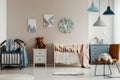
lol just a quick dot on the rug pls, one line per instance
(16, 77)
(67, 74)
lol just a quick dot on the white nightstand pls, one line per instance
(40, 56)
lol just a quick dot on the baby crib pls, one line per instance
(71, 54)
(10, 53)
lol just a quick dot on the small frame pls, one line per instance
(48, 20)
(31, 25)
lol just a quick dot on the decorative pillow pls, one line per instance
(105, 57)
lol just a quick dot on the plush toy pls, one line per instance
(40, 43)
(105, 57)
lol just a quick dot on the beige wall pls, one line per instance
(19, 11)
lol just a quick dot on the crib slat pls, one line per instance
(17, 57)
(9, 58)
(5, 58)
(14, 58)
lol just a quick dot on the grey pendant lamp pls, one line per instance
(108, 11)
(99, 22)
(93, 8)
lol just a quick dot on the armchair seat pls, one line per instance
(102, 61)
(115, 60)
(106, 61)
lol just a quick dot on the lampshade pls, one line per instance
(92, 8)
(99, 22)
(108, 11)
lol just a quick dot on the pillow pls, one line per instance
(105, 56)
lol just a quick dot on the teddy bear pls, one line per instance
(105, 57)
(40, 43)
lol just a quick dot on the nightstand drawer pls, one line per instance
(40, 59)
(39, 52)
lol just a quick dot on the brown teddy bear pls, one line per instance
(40, 43)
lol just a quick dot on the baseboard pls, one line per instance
(59, 65)
(30, 65)
(48, 65)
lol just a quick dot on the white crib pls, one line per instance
(72, 54)
(66, 54)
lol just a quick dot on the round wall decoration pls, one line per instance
(66, 25)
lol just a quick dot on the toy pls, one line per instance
(105, 57)
(40, 43)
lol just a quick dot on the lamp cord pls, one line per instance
(108, 2)
(99, 7)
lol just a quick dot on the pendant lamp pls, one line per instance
(99, 21)
(92, 8)
(108, 10)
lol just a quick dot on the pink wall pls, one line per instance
(19, 11)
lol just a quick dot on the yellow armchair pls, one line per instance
(114, 51)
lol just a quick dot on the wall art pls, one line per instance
(66, 25)
(48, 20)
(31, 25)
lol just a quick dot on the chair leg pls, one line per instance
(20, 66)
(111, 73)
(106, 75)
(95, 69)
(110, 69)
(117, 67)
(104, 70)
(1, 67)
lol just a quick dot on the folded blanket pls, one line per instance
(11, 45)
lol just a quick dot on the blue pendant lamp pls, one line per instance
(92, 8)
(99, 22)
(108, 10)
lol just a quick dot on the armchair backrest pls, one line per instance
(114, 51)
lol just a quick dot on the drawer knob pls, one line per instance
(39, 59)
(39, 53)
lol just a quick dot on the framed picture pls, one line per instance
(31, 25)
(48, 20)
